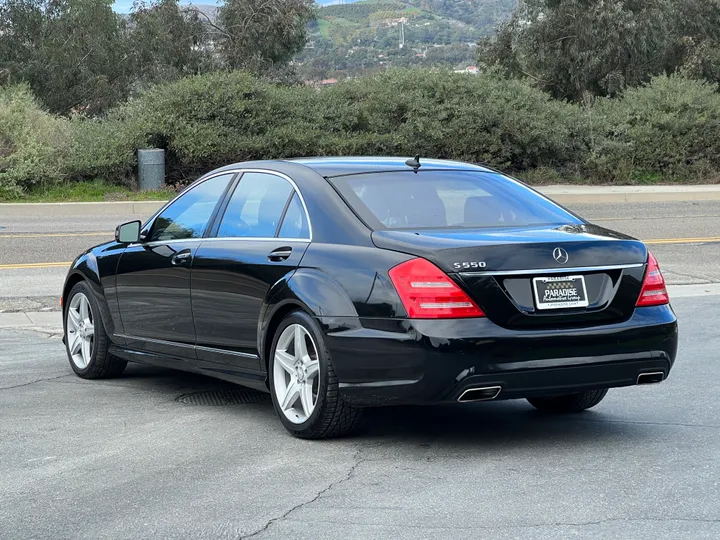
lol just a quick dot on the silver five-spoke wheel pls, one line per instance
(80, 331)
(296, 373)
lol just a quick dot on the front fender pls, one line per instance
(87, 268)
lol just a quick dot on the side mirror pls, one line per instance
(128, 233)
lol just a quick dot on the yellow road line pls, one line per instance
(647, 218)
(706, 240)
(54, 235)
(34, 265)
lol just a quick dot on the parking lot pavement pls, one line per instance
(128, 458)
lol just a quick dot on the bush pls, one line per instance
(668, 130)
(485, 118)
(211, 120)
(34, 145)
(202, 122)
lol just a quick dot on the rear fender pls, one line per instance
(306, 289)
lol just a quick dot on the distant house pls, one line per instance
(472, 70)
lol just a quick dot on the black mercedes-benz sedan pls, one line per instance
(342, 283)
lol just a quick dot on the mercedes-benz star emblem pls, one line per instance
(560, 255)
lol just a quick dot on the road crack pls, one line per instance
(643, 423)
(348, 476)
(519, 526)
(36, 381)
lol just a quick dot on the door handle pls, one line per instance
(181, 257)
(280, 254)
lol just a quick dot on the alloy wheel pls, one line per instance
(80, 331)
(296, 373)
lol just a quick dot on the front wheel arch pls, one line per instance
(72, 280)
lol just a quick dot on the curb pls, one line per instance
(630, 194)
(41, 319)
(125, 208)
(560, 193)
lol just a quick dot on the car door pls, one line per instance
(153, 276)
(258, 240)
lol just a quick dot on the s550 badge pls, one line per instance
(469, 264)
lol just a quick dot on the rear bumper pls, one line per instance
(384, 362)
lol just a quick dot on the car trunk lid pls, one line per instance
(500, 269)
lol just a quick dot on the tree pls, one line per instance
(261, 34)
(573, 47)
(570, 47)
(168, 42)
(21, 21)
(73, 53)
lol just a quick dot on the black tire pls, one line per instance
(332, 417)
(102, 364)
(572, 403)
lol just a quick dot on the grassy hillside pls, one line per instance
(355, 38)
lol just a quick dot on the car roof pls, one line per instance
(339, 166)
(330, 167)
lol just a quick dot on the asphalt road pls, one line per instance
(124, 459)
(35, 252)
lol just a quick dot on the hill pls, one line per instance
(355, 37)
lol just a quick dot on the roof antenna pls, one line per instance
(414, 162)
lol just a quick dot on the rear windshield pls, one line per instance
(446, 199)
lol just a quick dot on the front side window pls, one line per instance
(188, 216)
(256, 207)
(447, 199)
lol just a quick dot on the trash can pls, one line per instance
(151, 169)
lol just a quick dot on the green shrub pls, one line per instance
(202, 122)
(207, 121)
(667, 130)
(34, 145)
(487, 119)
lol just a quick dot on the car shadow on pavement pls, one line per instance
(497, 424)
(485, 425)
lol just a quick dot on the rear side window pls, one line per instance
(294, 223)
(256, 207)
(446, 199)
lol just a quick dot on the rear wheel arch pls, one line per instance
(273, 323)
(307, 290)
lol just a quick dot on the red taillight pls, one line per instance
(653, 291)
(428, 293)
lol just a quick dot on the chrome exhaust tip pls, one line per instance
(480, 393)
(651, 378)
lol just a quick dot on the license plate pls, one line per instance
(560, 292)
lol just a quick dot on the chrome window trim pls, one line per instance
(186, 346)
(233, 172)
(552, 270)
(223, 238)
